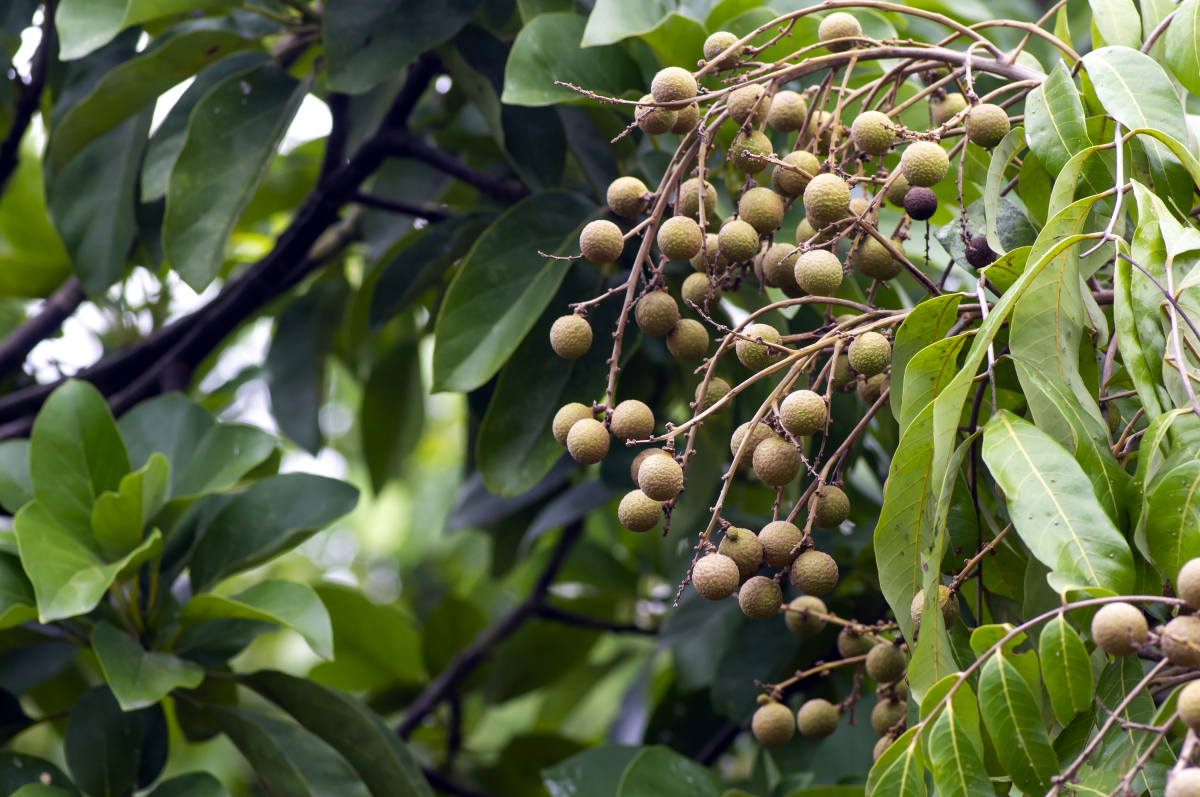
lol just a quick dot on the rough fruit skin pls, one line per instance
(680, 238)
(873, 260)
(886, 664)
(779, 266)
(660, 478)
(625, 196)
(760, 598)
(826, 200)
(718, 44)
(773, 724)
(686, 119)
(738, 241)
(711, 251)
(743, 547)
(799, 622)
(870, 353)
(979, 254)
(788, 110)
(806, 234)
(695, 290)
(887, 712)
(754, 144)
(920, 204)
(858, 207)
(1184, 783)
(881, 746)
(1181, 641)
(924, 164)
(656, 313)
(776, 462)
(947, 601)
(671, 84)
(566, 417)
(715, 577)
(1117, 627)
(897, 190)
(1187, 583)
(1189, 705)
(871, 133)
(818, 272)
(802, 413)
(571, 336)
(631, 420)
(718, 389)
(761, 432)
(762, 209)
(843, 374)
(778, 538)
(817, 718)
(742, 102)
(640, 458)
(637, 512)
(814, 573)
(987, 125)
(688, 340)
(871, 388)
(689, 199)
(949, 107)
(832, 507)
(839, 25)
(757, 356)
(793, 183)
(587, 441)
(654, 120)
(850, 644)
(601, 242)
(820, 126)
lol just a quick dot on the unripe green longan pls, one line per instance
(839, 25)
(715, 577)
(779, 265)
(680, 238)
(805, 234)
(814, 573)
(873, 260)
(738, 241)
(924, 164)
(566, 417)
(788, 110)
(718, 389)
(1118, 627)
(830, 506)
(887, 713)
(817, 718)
(871, 388)
(571, 336)
(1181, 641)
(631, 420)
(686, 119)
(869, 353)
(793, 183)
(776, 462)
(1189, 705)
(626, 197)
(851, 644)
(948, 107)
(843, 375)
(656, 313)
(773, 724)
(802, 413)
(689, 199)
(660, 478)
(947, 600)
(637, 512)
(818, 272)
(587, 441)
(673, 83)
(777, 539)
(719, 44)
(746, 100)
(762, 209)
(654, 120)
(695, 290)
(886, 664)
(688, 340)
(757, 356)
(872, 132)
(1187, 583)
(987, 125)
(881, 746)
(745, 147)
(896, 191)
(743, 547)
(1184, 783)
(709, 258)
(642, 457)
(601, 242)
(798, 619)
(760, 598)
(826, 200)
(761, 432)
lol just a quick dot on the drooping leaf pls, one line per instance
(549, 49)
(16, 490)
(1066, 669)
(284, 602)
(139, 678)
(1117, 684)
(1118, 22)
(957, 765)
(1002, 155)
(1010, 712)
(103, 744)
(238, 124)
(118, 519)
(926, 373)
(393, 411)
(1182, 44)
(928, 322)
(1173, 519)
(900, 771)
(660, 770)
(376, 646)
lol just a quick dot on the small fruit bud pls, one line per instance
(924, 164)
(601, 242)
(1181, 641)
(757, 356)
(660, 478)
(826, 200)
(851, 643)
(946, 600)
(818, 272)
(839, 25)
(656, 313)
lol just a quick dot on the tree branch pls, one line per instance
(550, 612)
(405, 144)
(444, 784)
(29, 96)
(56, 309)
(393, 205)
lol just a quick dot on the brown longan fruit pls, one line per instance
(1118, 627)
(817, 718)
(814, 573)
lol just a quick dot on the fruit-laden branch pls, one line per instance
(29, 95)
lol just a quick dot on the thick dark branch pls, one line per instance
(339, 132)
(16, 347)
(444, 784)
(503, 189)
(719, 744)
(28, 97)
(550, 612)
(465, 662)
(403, 206)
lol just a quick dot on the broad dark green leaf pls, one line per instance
(18, 769)
(393, 411)
(1007, 269)
(168, 139)
(657, 771)
(134, 86)
(595, 772)
(193, 784)
(1066, 669)
(1173, 519)
(118, 519)
(549, 49)
(103, 744)
(86, 25)
(205, 456)
(139, 678)
(502, 287)
(376, 646)
(1002, 156)
(1053, 506)
(1118, 22)
(1182, 41)
(369, 40)
(374, 751)
(238, 124)
(33, 260)
(928, 322)
(451, 626)
(17, 600)
(1011, 713)
(286, 603)
(271, 517)
(927, 373)
(957, 765)
(15, 487)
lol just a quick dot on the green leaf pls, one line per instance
(65, 563)
(1052, 505)
(1182, 41)
(284, 602)
(75, 453)
(239, 124)
(193, 784)
(393, 411)
(928, 322)
(1118, 22)
(205, 456)
(369, 40)
(135, 85)
(1010, 712)
(1173, 519)
(33, 260)
(38, 790)
(550, 49)
(927, 373)
(596, 772)
(374, 751)
(119, 518)
(1054, 120)
(139, 678)
(1138, 352)
(957, 765)
(102, 744)
(18, 769)
(1066, 669)
(1002, 155)
(1122, 745)
(502, 287)
(376, 645)
(900, 771)
(1008, 268)
(87, 25)
(451, 626)
(271, 517)
(614, 20)
(658, 770)
(15, 488)
(17, 599)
